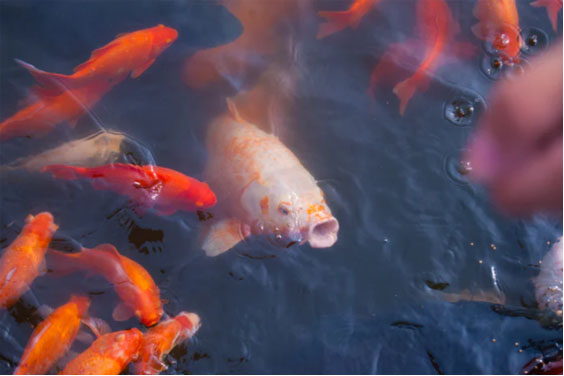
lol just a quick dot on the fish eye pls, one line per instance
(283, 209)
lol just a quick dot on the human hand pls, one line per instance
(516, 151)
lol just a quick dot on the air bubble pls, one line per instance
(492, 67)
(534, 41)
(463, 110)
(457, 170)
(517, 69)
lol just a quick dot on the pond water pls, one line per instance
(413, 234)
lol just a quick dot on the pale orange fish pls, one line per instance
(130, 53)
(48, 111)
(437, 27)
(260, 39)
(336, 21)
(107, 355)
(552, 8)
(134, 285)
(499, 26)
(159, 340)
(23, 260)
(263, 188)
(53, 337)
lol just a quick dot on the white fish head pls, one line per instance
(288, 217)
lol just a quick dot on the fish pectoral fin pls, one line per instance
(139, 70)
(84, 337)
(98, 326)
(44, 310)
(477, 31)
(122, 312)
(233, 111)
(221, 236)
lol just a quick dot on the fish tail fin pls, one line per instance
(406, 89)
(52, 83)
(64, 172)
(552, 8)
(336, 21)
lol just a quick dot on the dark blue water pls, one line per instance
(408, 219)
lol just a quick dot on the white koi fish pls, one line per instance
(264, 190)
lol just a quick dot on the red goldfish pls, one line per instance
(108, 355)
(150, 186)
(48, 111)
(53, 337)
(23, 260)
(436, 24)
(340, 20)
(499, 25)
(260, 39)
(130, 53)
(552, 8)
(134, 285)
(161, 339)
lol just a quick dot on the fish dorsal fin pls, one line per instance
(234, 112)
(96, 54)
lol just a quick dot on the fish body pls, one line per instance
(52, 338)
(109, 354)
(48, 111)
(548, 284)
(133, 284)
(150, 186)
(23, 260)
(130, 53)
(552, 8)
(499, 25)
(340, 20)
(264, 188)
(159, 340)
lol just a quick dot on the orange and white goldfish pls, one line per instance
(107, 355)
(134, 285)
(260, 39)
(53, 337)
(167, 190)
(264, 188)
(437, 27)
(552, 8)
(130, 53)
(499, 25)
(23, 260)
(161, 339)
(340, 20)
(48, 111)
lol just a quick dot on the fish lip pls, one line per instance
(323, 234)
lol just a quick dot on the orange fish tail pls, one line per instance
(336, 21)
(65, 172)
(405, 90)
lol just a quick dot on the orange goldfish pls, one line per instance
(437, 26)
(161, 339)
(149, 186)
(130, 53)
(552, 8)
(23, 260)
(53, 337)
(264, 188)
(499, 25)
(48, 111)
(108, 354)
(340, 20)
(261, 36)
(134, 285)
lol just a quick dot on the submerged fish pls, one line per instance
(134, 285)
(552, 8)
(108, 355)
(130, 53)
(161, 339)
(499, 26)
(167, 190)
(264, 187)
(491, 297)
(48, 111)
(340, 20)
(23, 260)
(548, 284)
(97, 149)
(52, 338)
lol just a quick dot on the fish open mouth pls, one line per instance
(323, 234)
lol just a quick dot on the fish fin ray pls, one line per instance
(122, 312)
(233, 111)
(98, 326)
(221, 236)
